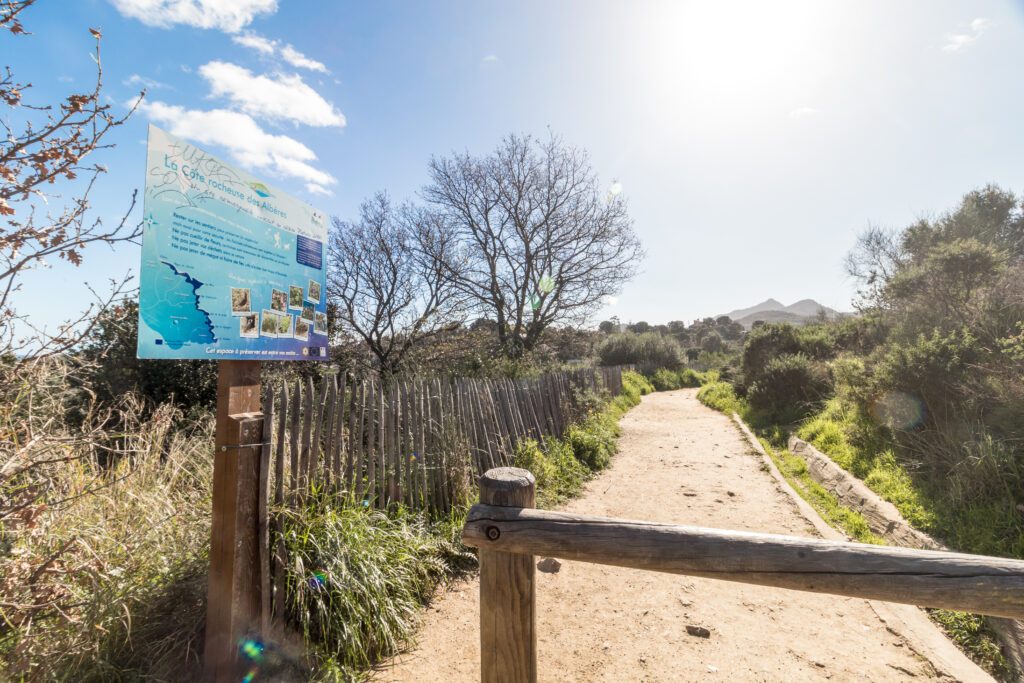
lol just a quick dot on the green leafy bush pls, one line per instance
(593, 440)
(721, 396)
(559, 474)
(634, 385)
(789, 387)
(667, 380)
(648, 350)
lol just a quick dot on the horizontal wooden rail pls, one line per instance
(971, 583)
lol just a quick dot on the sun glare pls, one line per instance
(724, 59)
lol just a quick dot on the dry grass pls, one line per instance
(103, 533)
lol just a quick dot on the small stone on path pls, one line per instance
(549, 565)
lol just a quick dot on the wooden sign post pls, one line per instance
(234, 599)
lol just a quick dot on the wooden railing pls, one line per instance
(508, 533)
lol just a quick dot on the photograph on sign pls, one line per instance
(230, 265)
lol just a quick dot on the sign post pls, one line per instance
(233, 271)
(233, 595)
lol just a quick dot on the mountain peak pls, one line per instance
(773, 310)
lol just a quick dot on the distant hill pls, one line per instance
(769, 305)
(773, 311)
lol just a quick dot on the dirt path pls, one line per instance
(683, 463)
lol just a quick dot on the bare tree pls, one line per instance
(391, 281)
(539, 242)
(877, 256)
(43, 145)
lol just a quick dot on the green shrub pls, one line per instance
(634, 385)
(766, 343)
(593, 440)
(721, 397)
(559, 474)
(648, 350)
(789, 387)
(667, 380)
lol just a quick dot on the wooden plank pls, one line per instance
(294, 439)
(394, 452)
(419, 438)
(263, 509)
(409, 469)
(485, 424)
(338, 451)
(352, 460)
(440, 457)
(928, 578)
(363, 470)
(382, 493)
(508, 596)
(325, 435)
(371, 443)
(430, 446)
(233, 599)
(312, 460)
(307, 435)
(279, 554)
(279, 456)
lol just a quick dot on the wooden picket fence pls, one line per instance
(418, 442)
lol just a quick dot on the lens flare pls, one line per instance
(898, 410)
(318, 580)
(250, 677)
(252, 649)
(546, 284)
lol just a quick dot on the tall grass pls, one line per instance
(102, 556)
(356, 579)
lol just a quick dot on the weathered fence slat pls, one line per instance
(263, 509)
(296, 415)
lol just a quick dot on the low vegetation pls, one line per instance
(103, 559)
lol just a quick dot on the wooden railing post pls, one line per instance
(508, 597)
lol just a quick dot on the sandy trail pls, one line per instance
(683, 463)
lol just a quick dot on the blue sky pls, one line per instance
(754, 141)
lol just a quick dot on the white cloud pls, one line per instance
(255, 42)
(268, 48)
(247, 143)
(148, 83)
(958, 41)
(284, 98)
(301, 61)
(802, 112)
(490, 58)
(230, 16)
(313, 188)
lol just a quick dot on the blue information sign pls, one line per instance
(231, 268)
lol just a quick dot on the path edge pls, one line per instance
(908, 622)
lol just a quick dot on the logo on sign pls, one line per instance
(260, 189)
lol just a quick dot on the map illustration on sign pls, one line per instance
(231, 267)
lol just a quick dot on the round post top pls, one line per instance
(507, 486)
